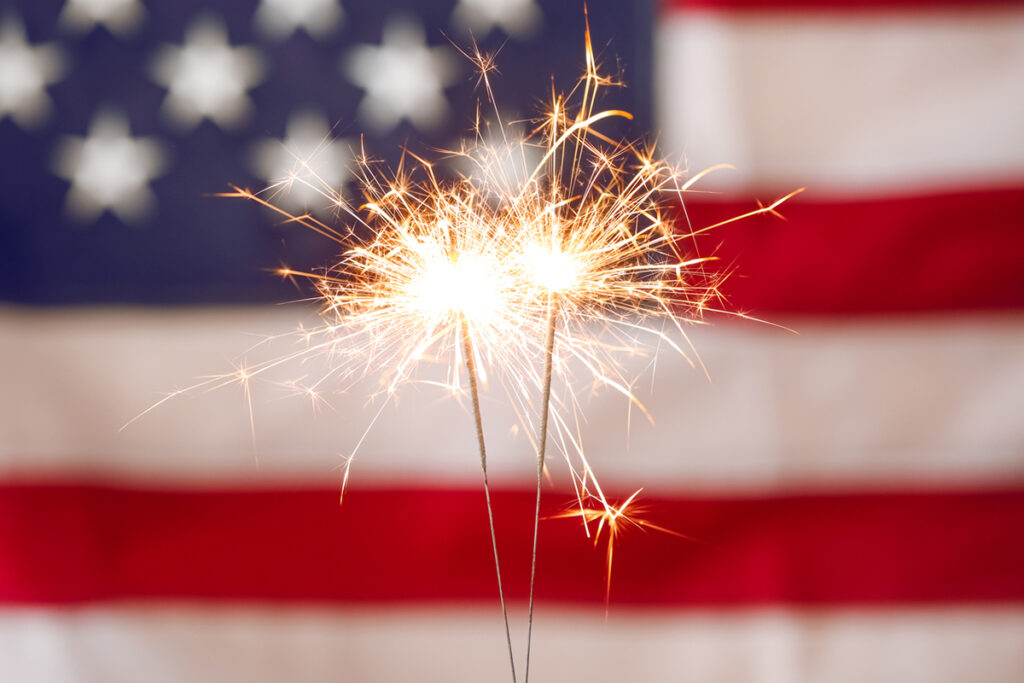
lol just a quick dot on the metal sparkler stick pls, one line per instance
(467, 345)
(549, 348)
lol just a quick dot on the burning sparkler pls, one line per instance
(499, 271)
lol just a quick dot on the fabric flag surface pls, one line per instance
(851, 494)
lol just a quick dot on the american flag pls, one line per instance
(856, 490)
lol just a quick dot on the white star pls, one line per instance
(206, 77)
(25, 71)
(404, 79)
(517, 18)
(307, 162)
(121, 17)
(501, 159)
(109, 169)
(280, 18)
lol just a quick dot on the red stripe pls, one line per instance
(833, 5)
(69, 544)
(944, 252)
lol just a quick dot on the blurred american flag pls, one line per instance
(857, 489)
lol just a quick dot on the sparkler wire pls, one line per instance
(467, 345)
(549, 349)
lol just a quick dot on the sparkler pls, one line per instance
(499, 271)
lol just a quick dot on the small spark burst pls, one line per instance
(616, 519)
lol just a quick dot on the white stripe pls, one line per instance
(845, 103)
(278, 645)
(875, 403)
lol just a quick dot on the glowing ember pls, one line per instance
(551, 268)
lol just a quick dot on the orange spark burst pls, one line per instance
(616, 519)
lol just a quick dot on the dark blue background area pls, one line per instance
(196, 248)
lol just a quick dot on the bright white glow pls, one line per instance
(552, 269)
(466, 285)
